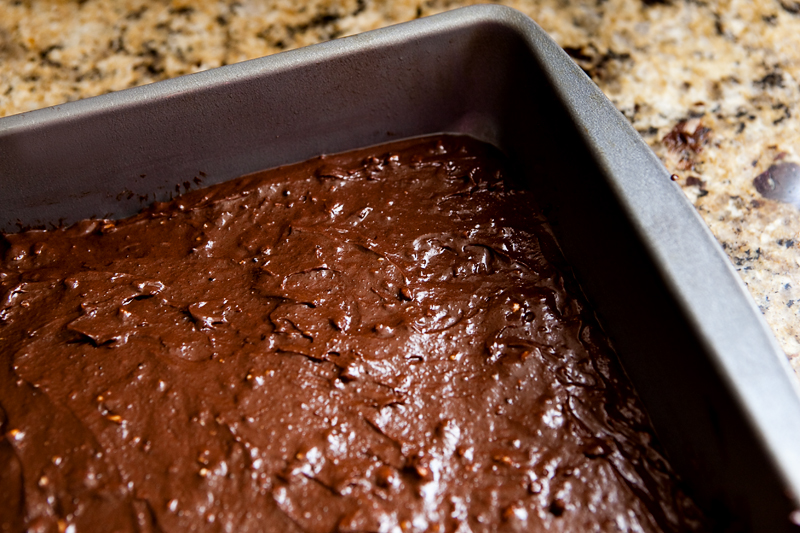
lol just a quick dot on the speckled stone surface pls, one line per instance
(711, 86)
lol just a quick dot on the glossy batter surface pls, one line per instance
(374, 341)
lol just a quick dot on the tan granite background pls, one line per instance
(711, 86)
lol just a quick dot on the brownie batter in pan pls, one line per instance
(383, 340)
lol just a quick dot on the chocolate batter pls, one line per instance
(383, 340)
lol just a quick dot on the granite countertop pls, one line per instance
(711, 86)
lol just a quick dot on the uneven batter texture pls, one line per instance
(375, 341)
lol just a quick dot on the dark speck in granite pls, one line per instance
(694, 181)
(791, 6)
(780, 182)
(687, 139)
(773, 79)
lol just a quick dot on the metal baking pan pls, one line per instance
(716, 384)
